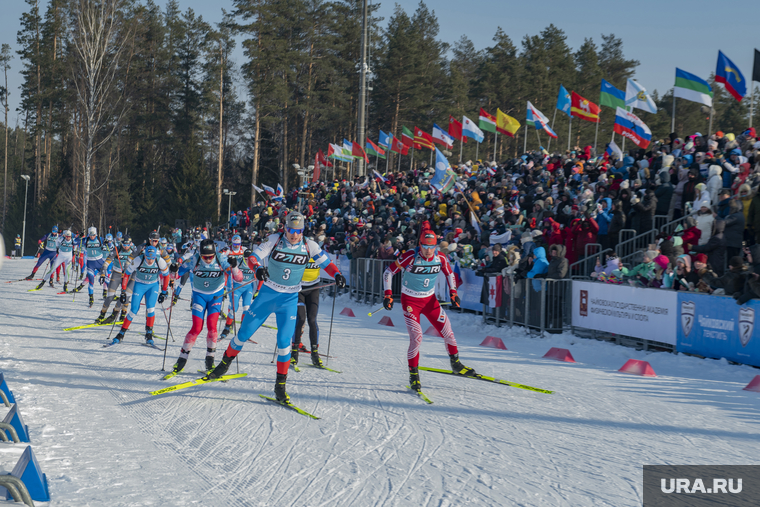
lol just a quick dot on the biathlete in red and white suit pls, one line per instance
(421, 267)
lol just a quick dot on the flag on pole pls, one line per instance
(731, 77)
(611, 96)
(455, 129)
(385, 139)
(637, 96)
(399, 147)
(564, 101)
(319, 162)
(374, 150)
(690, 87)
(422, 139)
(486, 121)
(584, 109)
(407, 137)
(444, 177)
(505, 124)
(336, 152)
(537, 119)
(380, 177)
(259, 190)
(358, 152)
(469, 129)
(440, 136)
(474, 222)
(629, 125)
(756, 67)
(494, 291)
(614, 151)
(280, 192)
(269, 191)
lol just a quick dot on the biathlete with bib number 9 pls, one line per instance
(280, 263)
(421, 267)
(242, 296)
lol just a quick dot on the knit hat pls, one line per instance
(686, 260)
(701, 258)
(535, 233)
(736, 262)
(651, 255)
(525, 237)
(661, 261)
(624, 184)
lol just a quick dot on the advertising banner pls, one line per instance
(715, 326)
(649, 314)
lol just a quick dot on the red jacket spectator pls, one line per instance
(584, 233)
(555, 235)
(569, 237)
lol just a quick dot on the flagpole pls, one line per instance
(596, 134)
(477, 148)
(709, 127)
(549, 144)
(461, 142)
(525, 142)
(673, 117)
(431, 159)
(751, 102)
(387, 159)
(569, 132)
(495, 141)
(399, 161)
(539, 139)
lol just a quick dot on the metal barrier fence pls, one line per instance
(367, 280)
(584, 267)
(539, 303)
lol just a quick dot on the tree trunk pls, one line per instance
(284, 175)
(256, 148)
(221, 140)
(302, 158)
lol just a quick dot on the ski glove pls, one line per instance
(123, 297)
(388, 303)
(247, 253)
(233, 262)
(262, 274)
(455, 301)
(340, 280)
(161, 297)
(102, 279)
(173, 268)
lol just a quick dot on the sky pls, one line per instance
(661, 35)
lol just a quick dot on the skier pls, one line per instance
(208, 269)
(285, 255)
(118, 259)
(92, 247)
(108, 248)
(17, 250)
(421, 267)
(51, 249)
(240, 298)
(65, 247)
(146, 268)
(308, 307)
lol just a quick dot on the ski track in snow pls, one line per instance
(103, 440)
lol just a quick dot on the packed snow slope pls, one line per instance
(103, 440)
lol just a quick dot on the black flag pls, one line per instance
(756, 67)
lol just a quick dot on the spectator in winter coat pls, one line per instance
(752, 285)
(558, 266)
(584, 233)
(540, 266)
(715, 248)
(616, 224)
(734, 231)
(684, 279)
(605, 271)
(663, 192)
(745, 195)
(702, 194)
(733, 280)
(644, 272)
(603, 218)
(645, 211)
(705, 221)
(555, 235)
(691, 235)
(714, 182)
(689, 189)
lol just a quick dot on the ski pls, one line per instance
(422, 395)
(323, 368)
(197, 382)
(295, 367)
(110, 344)
(35, 289)
(489, 379)
(25, 280)
(152, 346)
(86, 326)
(291, 406)
(169, 375)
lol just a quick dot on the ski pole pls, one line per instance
(234, 326)
(168, 327)
(376, 311)
(332, 314)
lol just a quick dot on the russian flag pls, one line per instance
(269, 190)
(629, 125)
(614, 150)
(457, 274)
(381, 177)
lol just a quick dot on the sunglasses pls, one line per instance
(294, 231)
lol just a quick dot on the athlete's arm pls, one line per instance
(394, 268)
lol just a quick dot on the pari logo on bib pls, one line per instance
(688, 309)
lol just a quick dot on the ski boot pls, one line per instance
(302, 348)
(414, 379)
(50, 282)
(180, 364)
(175, 298)
(105, 293)
(81, 286)
(221, 368)
(294, 355)
(119, 337)
(315, 359)
(279, 389)
(149, 335)
(122, 315)
(101, 318)
(65, 286)
(459, 368)
(111, 318)
(92, 300)
(41, 285)
(209, 360)
(57, 279)
(225, 332)
(30, 277)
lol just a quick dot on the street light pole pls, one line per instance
(360, 134)
(23, 230)
(229, 206)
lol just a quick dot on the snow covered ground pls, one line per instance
(103, 440)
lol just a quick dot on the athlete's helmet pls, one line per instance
(237, 240)
(154, 235)
(208, 247)
(92, 231)
(127, 241)
(151, 253)
(163, 242)
(428, 238)
(294, 220)
(118, 235)
(109, 237)
(55, 229)
(67, 233)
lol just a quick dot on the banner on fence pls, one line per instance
(649, 314)
(468, 290)
(715, 326)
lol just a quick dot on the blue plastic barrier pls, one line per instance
(14, 419)
(28, 470)
(5, 389)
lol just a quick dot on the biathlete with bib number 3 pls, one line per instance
(280, 263)
(420, 269)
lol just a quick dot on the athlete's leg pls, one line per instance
(300, 319)
(412, 318)
(286, 311)
(312, 309)
(440, 321)
(139, 291)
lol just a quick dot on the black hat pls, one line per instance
(208, 247)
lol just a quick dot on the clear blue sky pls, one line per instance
(662, 35)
